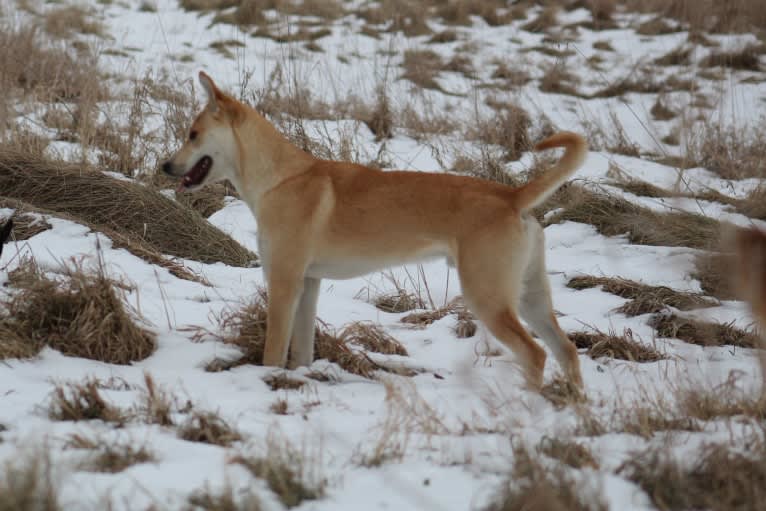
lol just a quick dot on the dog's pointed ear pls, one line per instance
(213, 93)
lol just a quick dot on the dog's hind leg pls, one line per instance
(491, 288)
(302, 342)
(536, 306)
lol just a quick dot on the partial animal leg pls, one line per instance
(302, 342)
(285, 289)
(536, 307)
(491, 286)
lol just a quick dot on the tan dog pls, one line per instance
(750, 279)
(328, 219)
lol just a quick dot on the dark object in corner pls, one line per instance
(5, 232)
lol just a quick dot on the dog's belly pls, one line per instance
(348, 268)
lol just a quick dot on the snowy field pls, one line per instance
(447, 428)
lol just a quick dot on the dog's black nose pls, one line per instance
(166, 167)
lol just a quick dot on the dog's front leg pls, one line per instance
(302, 342)
(285, 289)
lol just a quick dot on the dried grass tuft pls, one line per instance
(286, 472)
(121, 209)
(27, 484)
(282, 381)
(622, 347)
(209, 428)
(703, 333)
(509, 129)
(372, 337)
(534, 486)
(613, 216)
(399, 301)
(246, 328)
(81, 316)
(562, 392)
(717, 477)
(109, 457)
(568, 452)
(82, 401)
(644, 299)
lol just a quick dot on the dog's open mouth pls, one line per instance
(197, 174)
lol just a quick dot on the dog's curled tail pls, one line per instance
(540, 188)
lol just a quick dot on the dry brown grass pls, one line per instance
(225, 500)
(27, 483)
(717, 477)
(725, 400)
(745, 59)
(508, 128)
(372, 337)
(562, 392)
(707, 15)
(123, 210)
(246, 328)
(730, 152)
(644, 299)
(66, 21)
(422, 67)
(622, 347)
(613, 216)
(425, 318)
(702, 333)
(286, 471)
(399, 301)
(209, 428)
(108, 456)
(568, 452)
(545, 20)
(82, 401)
(157, 405)
(534, 486)
(557, 80)
(80, 316)
(282, 381)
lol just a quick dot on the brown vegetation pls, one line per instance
(209, 428)
(622, 347)
(122, 210)
(644, 299)
(82, 401)
(533, 486)
(27, 483)
(80, 315)
(703, 333)
(717, 477)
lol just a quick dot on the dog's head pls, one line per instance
(209, 154)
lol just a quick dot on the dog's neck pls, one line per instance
(266, 157)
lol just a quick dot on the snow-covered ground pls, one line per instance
(451, 428)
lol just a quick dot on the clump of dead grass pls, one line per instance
(425, 318)
(246, 328)
(82, 401)
(508, 128)
(612, 216)
(157, 406)
(702, 333)
(372, 337)
(557, 80)
(27, 484)
(561, 392)
(717, 477)
(568, 452)
(209, 428)
(731, 152)
(745, 59)
(725, 400)
(225, 500)
(81, 315)
(422, 67)
(534, 486)
(108, 456)
(622, 347)
(399, 301)
(131, 214)
(285, 470)
(644, 299)
(283, 381)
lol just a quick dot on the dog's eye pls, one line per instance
(192, 135)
